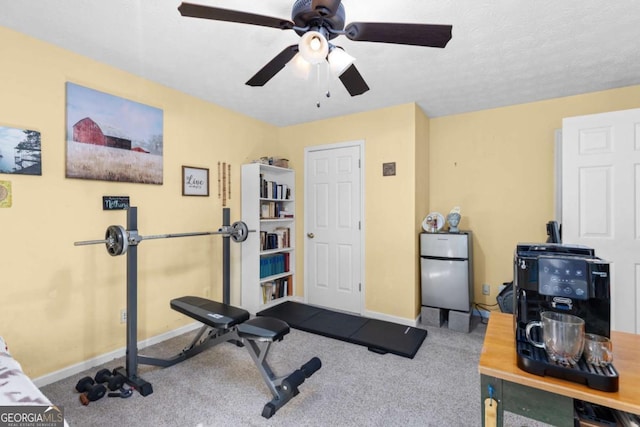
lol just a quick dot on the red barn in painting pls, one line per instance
(88, 131)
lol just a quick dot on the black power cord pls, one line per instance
(485, 307)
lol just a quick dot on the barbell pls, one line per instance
(117, 239)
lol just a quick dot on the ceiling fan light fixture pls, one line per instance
(339, 60)
(313, 47)
(301, 68)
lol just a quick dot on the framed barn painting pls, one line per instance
(111, 138)
(20, 151)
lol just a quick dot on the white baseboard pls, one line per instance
(380, 316)
(393, 319)
(105, 358)
(404, 321)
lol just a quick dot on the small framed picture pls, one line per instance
(389, 169)
(195, 181)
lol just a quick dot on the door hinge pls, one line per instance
(359, 225)
(359, 164)
(359, 287)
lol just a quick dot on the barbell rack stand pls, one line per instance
(133, 359)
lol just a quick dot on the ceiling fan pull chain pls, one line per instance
(328, 79)
(319, 89)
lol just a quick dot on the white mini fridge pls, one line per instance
(446, 270)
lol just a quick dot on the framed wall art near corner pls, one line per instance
(20, 151)
(195, 181)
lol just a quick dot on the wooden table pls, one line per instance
(550, 399)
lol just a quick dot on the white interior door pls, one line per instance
(333, 222)
(601, 201)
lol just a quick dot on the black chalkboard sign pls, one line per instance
(115, 203)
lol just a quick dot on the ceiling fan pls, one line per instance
(318, 22)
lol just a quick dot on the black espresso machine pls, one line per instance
(568, 279)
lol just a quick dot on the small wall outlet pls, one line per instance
(486, 289)
(123, 316)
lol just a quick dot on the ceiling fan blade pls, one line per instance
(325, 7)
(272, 68)
(353, 81)
(218, 14)
(412, 34)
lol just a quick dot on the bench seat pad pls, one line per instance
(211, 313)
(263, 329)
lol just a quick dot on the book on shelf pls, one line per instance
(264, 210)
(284, 213)
(273, 210)
(273, 190)
(283, 237)
(289, 288)
(285, 287)
(266, 189)
(272, 265)
(278, 239)
(278, 288)
(267, 292)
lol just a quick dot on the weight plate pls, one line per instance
(239, 231)
(117, 240)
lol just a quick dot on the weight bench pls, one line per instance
(221, 321)
(225, 323)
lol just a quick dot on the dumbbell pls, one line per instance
(114, 380)
(90, 390)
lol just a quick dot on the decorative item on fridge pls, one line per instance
(433, 222)
(453, 218)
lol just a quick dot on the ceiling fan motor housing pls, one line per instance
(303, 15)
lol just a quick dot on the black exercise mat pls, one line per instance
(291, 312)
(333, 325)
(377, 335)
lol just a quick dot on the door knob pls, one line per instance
(311, 235)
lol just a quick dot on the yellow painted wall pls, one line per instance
(422, 183)
(60, 303)
(390, 211)
(65, 300)
(497, 165)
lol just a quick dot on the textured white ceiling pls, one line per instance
(503, 52)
